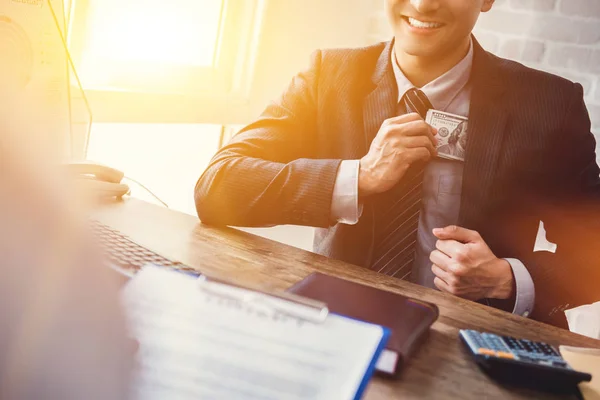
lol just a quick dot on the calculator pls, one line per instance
(522, 362)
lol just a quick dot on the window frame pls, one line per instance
(203, 94)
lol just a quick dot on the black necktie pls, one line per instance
(397, 211)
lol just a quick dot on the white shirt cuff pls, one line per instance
(344, 206)
(525, 296)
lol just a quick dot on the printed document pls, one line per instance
(197, 344)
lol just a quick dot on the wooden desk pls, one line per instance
(439, 370)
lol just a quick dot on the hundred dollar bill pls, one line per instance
(451, 135)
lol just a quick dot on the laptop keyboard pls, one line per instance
(128, 257)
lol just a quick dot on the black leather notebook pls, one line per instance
(408, 319)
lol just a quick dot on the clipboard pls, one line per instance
(286, 303)
(290, 304)
(294, 331)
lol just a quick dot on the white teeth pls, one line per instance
(420, 24)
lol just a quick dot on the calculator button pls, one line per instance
(549, 350)
(486, 352)
(503, 354)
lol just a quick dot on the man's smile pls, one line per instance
(422, 24)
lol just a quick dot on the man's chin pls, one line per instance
(420, 50)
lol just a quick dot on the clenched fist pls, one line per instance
(400, 142)
(465, 266)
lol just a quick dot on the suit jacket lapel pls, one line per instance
(487, 120)
(380, 103)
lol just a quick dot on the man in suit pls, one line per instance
(346, 149)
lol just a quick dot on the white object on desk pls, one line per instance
(585, 360)
(585, 320)
(199, 344)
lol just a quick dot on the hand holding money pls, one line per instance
(400, 142)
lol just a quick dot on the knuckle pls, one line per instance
(421, 127)
(459, 270)
(394, 143)
(452, 279)
(453, 289)
(400, 150)
(438, 283)
(456, 285)
(462, 255)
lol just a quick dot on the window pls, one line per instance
(149, 45)
(164, 61)
(182, 33)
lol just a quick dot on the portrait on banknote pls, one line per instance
(451, 134)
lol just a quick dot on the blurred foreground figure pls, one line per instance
(63, 333)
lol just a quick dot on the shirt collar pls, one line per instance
(442, 90)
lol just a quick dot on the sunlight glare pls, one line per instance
(167, 33)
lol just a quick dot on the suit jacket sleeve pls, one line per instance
(578, 174)
(568, 203)
(270, 173)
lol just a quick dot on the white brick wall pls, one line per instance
(558, 36)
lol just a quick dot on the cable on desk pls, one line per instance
(147, 190)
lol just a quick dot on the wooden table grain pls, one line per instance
(440, 369)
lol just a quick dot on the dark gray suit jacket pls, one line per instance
(529, 138)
